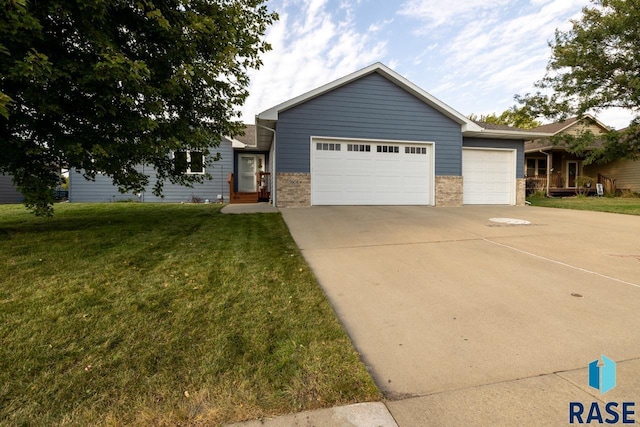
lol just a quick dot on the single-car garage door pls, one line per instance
(488, 176)
(358, 172)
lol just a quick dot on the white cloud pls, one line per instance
(436, 13)
(502, 55)
(312, 45)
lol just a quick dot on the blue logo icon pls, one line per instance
(602, 377)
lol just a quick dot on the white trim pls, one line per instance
(577, 162)
(393, 141)
(581, 122)
(536, 167)
(432, 152)
(272, 159)
(506, 134)
(256, 157)
(467, 124)
(514, 166)
(188, 171)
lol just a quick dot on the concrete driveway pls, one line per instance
(458, 317)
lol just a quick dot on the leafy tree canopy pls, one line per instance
(105, 85)
(593, 66)
(515, 116)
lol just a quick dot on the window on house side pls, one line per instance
(189, 162)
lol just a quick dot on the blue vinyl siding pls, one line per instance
(501, 143)
(8, 192)
(103, 190)
(372, 108)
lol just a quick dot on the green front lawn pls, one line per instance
(621, 205)
(132, 314)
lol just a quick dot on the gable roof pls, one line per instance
(249, 135)
(427, 98)
(266, 119)
(557, 127)
(248, 140)
(560, 127)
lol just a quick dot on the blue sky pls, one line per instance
(474, 55)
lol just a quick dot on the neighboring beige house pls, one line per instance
(553, 169)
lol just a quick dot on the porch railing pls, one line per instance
(608, 184)
(263, 186)
(535, 183)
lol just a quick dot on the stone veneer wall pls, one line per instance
(448, 191)
(521, 192)
(294, 189)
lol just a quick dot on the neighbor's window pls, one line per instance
(191, 162)
(536, 167)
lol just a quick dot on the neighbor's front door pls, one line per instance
(572, 174)
(248, 165)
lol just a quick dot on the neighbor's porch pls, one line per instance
(555, 172)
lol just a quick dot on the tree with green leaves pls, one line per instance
(104, 86)
(594, 66)
(515, 116)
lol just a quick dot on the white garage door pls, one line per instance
(488, 177)
(345, 172)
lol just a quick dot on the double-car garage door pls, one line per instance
(361, 172)
(366, 172)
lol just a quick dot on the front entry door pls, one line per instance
(248, 165)
(572, 174)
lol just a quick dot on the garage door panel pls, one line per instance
(371, 177)
(488, 176)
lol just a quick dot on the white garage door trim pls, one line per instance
(475, 192)
(428, 155)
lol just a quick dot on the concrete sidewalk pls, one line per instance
(374, 414)
(537, 401)
(248, 208)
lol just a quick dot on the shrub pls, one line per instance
(583, 184)
(626, 193)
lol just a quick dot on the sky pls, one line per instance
(473, 55)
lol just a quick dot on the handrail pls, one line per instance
(230, 181)
(608, 184)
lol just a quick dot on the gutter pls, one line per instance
(273, 180)
(548, 171)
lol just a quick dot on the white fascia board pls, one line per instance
(506, 134)
(235, 143)
(467, 124)
(580, 121)
(272, 113)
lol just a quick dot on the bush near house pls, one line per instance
(143, 314)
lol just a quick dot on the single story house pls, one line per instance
(369, 138)
(375, 138)
(551, 168)
(8, 192)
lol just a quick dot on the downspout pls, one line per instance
(273, 172)
(548, 171)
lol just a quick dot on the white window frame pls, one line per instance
(537, 167)
(188, 171)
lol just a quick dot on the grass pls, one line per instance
(629, 205)
(139, 314)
